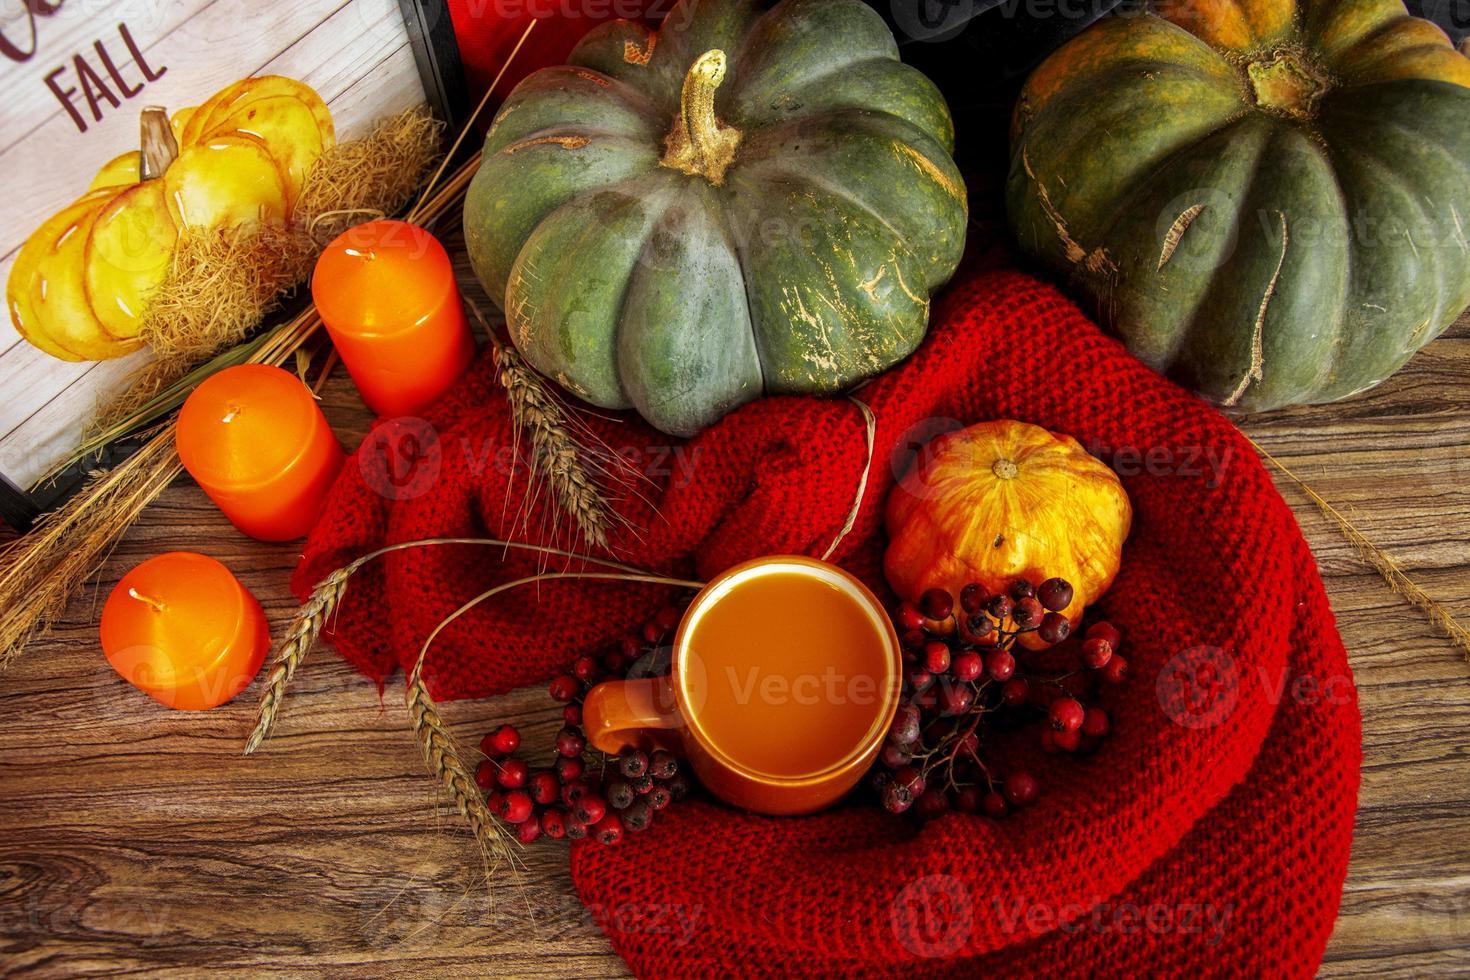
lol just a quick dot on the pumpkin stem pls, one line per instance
(1287, 84)
(1005, 469)
(699, 143)
(157, 146)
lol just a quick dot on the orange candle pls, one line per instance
(386, 292)
(255, 440)
(184, 631)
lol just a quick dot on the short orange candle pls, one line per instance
(386, 292)
(184, 631)
(255, 440)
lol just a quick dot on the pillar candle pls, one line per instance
(256, 442)
(184, 631)
(386, 292)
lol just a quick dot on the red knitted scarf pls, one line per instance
(1210, 834)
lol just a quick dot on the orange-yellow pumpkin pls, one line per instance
(1002, 501)
(79, 285)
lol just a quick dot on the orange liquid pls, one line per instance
(785, 674)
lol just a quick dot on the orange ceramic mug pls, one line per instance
(786, 675)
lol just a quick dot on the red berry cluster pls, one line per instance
(573, 799)
(962, 671)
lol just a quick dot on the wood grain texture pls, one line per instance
(135, 839)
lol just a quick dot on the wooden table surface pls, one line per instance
(136, 839)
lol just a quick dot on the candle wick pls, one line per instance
(147, 600)
(366, 253)
(232, 413)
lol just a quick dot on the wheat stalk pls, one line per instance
(556, 452)
(1398, 582)
(326, 596)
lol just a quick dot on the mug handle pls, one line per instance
(639, 713)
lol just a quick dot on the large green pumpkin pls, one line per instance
(1267, 199)
(744, 202)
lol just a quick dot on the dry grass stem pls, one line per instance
(223, 282)
(1380, 561)
(40, 572)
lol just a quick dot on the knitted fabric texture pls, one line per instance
(1208, 835)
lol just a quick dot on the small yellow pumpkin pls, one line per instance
(1002, 501)
(79, 285)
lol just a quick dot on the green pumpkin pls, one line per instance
(746, 202)
(1268, 200)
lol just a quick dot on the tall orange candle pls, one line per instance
(386, 292)
(184, 631)
(256, 442)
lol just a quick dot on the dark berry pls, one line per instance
(608, 830)
(1055, 594)
(972, 598)
(1028, 613)
(554, 823)
(620, 794)
(1021, 789)
(936, 604)
(638, 815)
(936, 657)
(568, 768)
(528, 831)
(575, 830)
(1096, 652)
(1115, 671)
(659, 797)
(678, 786)
(1015, 692)
(516, 807)
(979, 627)
(896, 798)
(1000, 607)
(905, 727)
(931, 805)
(1000, 665)
(1022, 589)
(572, 715)
(565, 687)
(633, 762)
(544, 788)
(651, 632)
(1066, 714)
(967, 799)
(513, 773)
(501, 742)
(910, 779)
(1054, 628)
(993, 804)
(630, 647)
(956, 699)
(894, 756)
(585, 669)
(968, 667)
(1095, 723)
(570, 743)
(662, 764)
(642, 784)
(912, 639)
(485, 775)
(919, 679)
(908, 617)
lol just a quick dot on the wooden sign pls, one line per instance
(76, 73)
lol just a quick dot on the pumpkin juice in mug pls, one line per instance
(785, 678)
